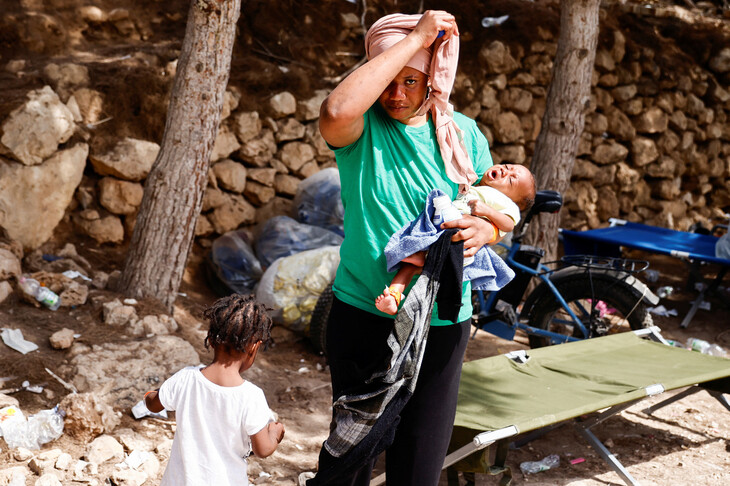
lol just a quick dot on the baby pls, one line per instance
(503, 192)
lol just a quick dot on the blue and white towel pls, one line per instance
(488, 272)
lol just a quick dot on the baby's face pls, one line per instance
(513, 180)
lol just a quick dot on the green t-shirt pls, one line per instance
(385, 176)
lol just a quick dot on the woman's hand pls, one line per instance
(475, 232)
(432, 22)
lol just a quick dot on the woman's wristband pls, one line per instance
(496, 233)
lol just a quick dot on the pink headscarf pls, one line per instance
(439, 62)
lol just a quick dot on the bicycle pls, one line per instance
(587, 296)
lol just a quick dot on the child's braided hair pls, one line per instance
(236, 321)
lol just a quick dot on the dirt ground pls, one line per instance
(684, 443)
(687, 442)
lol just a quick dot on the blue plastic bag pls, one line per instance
(234, 262)
(318, 201)
(282, 236)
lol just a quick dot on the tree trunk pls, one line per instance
(564, 119)
(173, 193)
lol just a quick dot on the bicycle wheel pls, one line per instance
(318, 323)
(603, 303)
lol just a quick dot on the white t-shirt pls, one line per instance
(214, 426)
(491, 197)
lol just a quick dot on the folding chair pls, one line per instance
(503, 397)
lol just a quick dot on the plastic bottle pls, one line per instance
(704, 347)
(532, 467)
(444, 211)
(44, 295)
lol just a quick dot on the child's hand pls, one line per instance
(276, 431)
(478, 208)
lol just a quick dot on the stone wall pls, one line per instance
(656, 145)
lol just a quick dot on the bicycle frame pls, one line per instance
(507, 330)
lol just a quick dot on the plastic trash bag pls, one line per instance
(292, 285)
(43, 427)
(282, 236)
(234, 262)
(318, 201)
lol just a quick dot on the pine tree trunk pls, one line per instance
(174, 188)
(564, 119)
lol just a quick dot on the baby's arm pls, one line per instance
(501, 220)
(152, 401)
(264, 442)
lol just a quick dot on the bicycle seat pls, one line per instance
(547, 202)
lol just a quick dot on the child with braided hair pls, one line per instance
(221, 418)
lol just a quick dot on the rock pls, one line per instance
(289, 129)
(90, 103)
(497, 58)
(102, 228)
(720, 62)
(283, 104)
(604, 60)
(115, 313)
(295, 154)
(259, 194)
(515, 99)
(64, 461)
(66, 77)
(131, 368)
(9, 265)
(231, 98)
(265, 176)
(286, 184)
(229, 216)
(133, 441)
(225, 144)
(619, 124)
(609, 152)
(247, 126)
(53, 183)
(87, 416)
(130, 160)
(48, 479)
(643, 151)
(33, 131)
(278, 206)
(128, 477)
(259, 151)
(231, 175)
(22, 454)
(159, 325)
(653, 120)
(309, 109)
(104, 448)
(120, 197)
(5, 291)
(62, 339)
(507, 128)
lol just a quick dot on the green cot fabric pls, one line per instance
(568, 380)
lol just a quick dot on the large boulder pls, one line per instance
(33, 131)
(33, 199)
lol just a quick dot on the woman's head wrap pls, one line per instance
(439, 61)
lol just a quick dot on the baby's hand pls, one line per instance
(478, 208)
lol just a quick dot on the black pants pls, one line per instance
(356, 347)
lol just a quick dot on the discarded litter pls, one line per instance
(42, 294)
(43, 427)
(651, 275)
(9, 415)
(704, 347)
(532, 467)
(32, 388)
(577, 460)
(140, 410)
(660, 310)
(75, 274)
(492, 21)
(137, 458)
(664, 292)
(14, 339)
